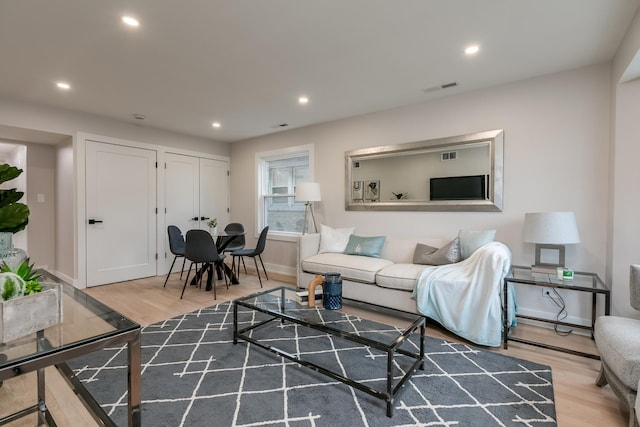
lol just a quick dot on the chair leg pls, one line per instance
(602, 379)
(257, 270)
(184, 260)
(244, 265)
(169, 273)
(186, 281)
(263, 269)
(212, 271)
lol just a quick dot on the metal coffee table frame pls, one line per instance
(286, 296)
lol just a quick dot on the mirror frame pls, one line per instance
(495, 138)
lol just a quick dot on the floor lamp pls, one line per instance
(308, 192)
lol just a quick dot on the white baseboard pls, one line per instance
(68, 279)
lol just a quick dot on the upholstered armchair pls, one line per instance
(618, 342)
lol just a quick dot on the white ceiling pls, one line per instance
(244, 63)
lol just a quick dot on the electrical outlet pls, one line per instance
(546, 292)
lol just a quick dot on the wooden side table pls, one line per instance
(582, 282)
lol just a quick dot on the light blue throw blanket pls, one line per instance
(466, 297)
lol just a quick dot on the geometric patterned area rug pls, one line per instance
(193, 375)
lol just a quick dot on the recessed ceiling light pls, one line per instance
(63, 85)
(303, 100)
(472, 49)
(130, 21)
(215, 124)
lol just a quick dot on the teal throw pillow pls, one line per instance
(365, 246)
(472, 240)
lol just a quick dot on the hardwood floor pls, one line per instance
(579, 402)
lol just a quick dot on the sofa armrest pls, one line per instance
(307, 245)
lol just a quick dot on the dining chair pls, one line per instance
(238, 242)
(201, 249)
(253, 253)
(176, 246)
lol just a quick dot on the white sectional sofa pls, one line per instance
(390, 281)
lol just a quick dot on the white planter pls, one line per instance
(25, 315)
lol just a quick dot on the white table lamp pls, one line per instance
(550, 231)
(308, 192)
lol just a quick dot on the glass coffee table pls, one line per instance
(87, 326)
(272, 308)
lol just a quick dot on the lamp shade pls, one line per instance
(553, 228)
(308, 192)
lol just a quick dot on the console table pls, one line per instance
(88, 326)
(582, 282)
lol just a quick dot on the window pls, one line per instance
(278, 173)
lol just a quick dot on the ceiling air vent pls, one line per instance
(449, 155)
(444, 86)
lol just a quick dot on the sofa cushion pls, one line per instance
(351, 267)
(365, 246)
(334, 239)
(471, 240)
(399, 276)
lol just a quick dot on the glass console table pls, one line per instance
(87, 326)
(582, 282)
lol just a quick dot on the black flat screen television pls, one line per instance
(471, 187)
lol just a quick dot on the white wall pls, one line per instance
(41, 181)
(556, 149)
(624, 228)
(65, 210)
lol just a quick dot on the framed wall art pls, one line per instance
(372, 190)
(357, 190)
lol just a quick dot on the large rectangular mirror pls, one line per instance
(459, 173)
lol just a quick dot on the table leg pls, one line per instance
(233, 279)
(389, 383)
(422, 333)
(235, 323)
(134, 381)
(505, 316)
(41, 397)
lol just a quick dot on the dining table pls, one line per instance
(223, 240)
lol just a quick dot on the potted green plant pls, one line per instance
(213, 225)
(14, 216)
(25, 305)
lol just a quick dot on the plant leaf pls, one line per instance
(14, 218)
(8, 172)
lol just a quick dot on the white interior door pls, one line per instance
(214, 191)
(121, 213)
(196, 190)
(182, 197)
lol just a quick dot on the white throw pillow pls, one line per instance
(334, 239)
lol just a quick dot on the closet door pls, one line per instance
(214, 192)
(196, 189)
(182, 192)
(121, 213)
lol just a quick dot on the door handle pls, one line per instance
(195, 218)
(203, 218)
(95, 221)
